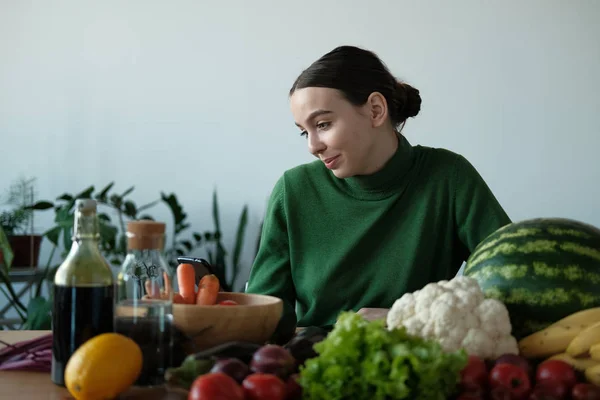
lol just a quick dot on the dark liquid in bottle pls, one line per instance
(79, 314)
(155, 338)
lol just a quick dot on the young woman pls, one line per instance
(374, 216)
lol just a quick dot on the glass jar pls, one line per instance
(144, 304)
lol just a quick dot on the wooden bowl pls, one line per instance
(253, 320)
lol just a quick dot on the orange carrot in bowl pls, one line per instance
(152, 289)
(178, 299)
(168, 285)
(186, 279)
(208, 290)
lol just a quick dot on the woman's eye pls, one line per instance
(303, 133)
(323, 125)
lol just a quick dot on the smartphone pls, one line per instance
(201, 266)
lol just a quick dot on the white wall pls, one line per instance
(183, 96)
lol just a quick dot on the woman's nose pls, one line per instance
(315, 145)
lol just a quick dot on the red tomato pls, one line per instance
(293, 390)
(474, 375)
(215, 386)
(500, 393)
(556, 371)
(513, 378)
(549, 391)
(259, 386)
(228, 303)
(585, 391)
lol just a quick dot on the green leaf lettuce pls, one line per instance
(364, 360)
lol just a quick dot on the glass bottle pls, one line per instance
(83, 302)
(145, 299)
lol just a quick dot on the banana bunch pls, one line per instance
(574, 339)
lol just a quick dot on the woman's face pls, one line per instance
(337, 132)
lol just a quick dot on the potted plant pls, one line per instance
(115, 209)
(17, 224)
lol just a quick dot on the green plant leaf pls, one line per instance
(85, 194)
(104, 217)
(179, 215)
(108, 232)
(39, 315)
(115, 261)
(215, 212)
(130, 209)
(221, 263)
(197, 237)
(102, 195)
(47, 272)
(40, 205)
(122, 244)
(147, 217)
(147, 206)
(126, 192)
(239, 244)
(65, 197)
(53, 234)
(116, 201)
(7, 252)
(67, 238)
(187, 244)
(64, 214)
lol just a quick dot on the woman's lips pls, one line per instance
(331, 161)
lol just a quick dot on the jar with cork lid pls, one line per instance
(144, 299)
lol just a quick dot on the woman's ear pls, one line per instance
(378, 109)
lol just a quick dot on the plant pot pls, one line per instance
(26, 250)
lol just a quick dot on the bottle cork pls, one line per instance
(145, 235)
(85, 206)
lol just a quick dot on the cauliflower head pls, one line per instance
(457, 315)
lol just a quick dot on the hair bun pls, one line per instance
(410, 103)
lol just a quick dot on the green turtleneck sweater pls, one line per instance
(330, 245)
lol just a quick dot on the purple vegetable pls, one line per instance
(28, 355)
(26, 345)
(26, 365)
(233, 367)
(273, 359)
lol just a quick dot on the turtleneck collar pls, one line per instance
(382, 183)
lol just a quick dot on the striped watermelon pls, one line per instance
(542, 269)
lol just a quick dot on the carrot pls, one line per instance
(152, 289)
(186, 278)
(178, 299)
(208, 290)
(168, 285)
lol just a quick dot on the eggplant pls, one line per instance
(203, 361)
(241, 350)
(302, 345)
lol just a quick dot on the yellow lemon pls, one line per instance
(103, 367)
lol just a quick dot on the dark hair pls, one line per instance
(357, 73)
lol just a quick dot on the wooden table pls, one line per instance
(23, 385)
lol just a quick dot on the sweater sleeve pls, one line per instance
(477, 211)
(271, 270)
